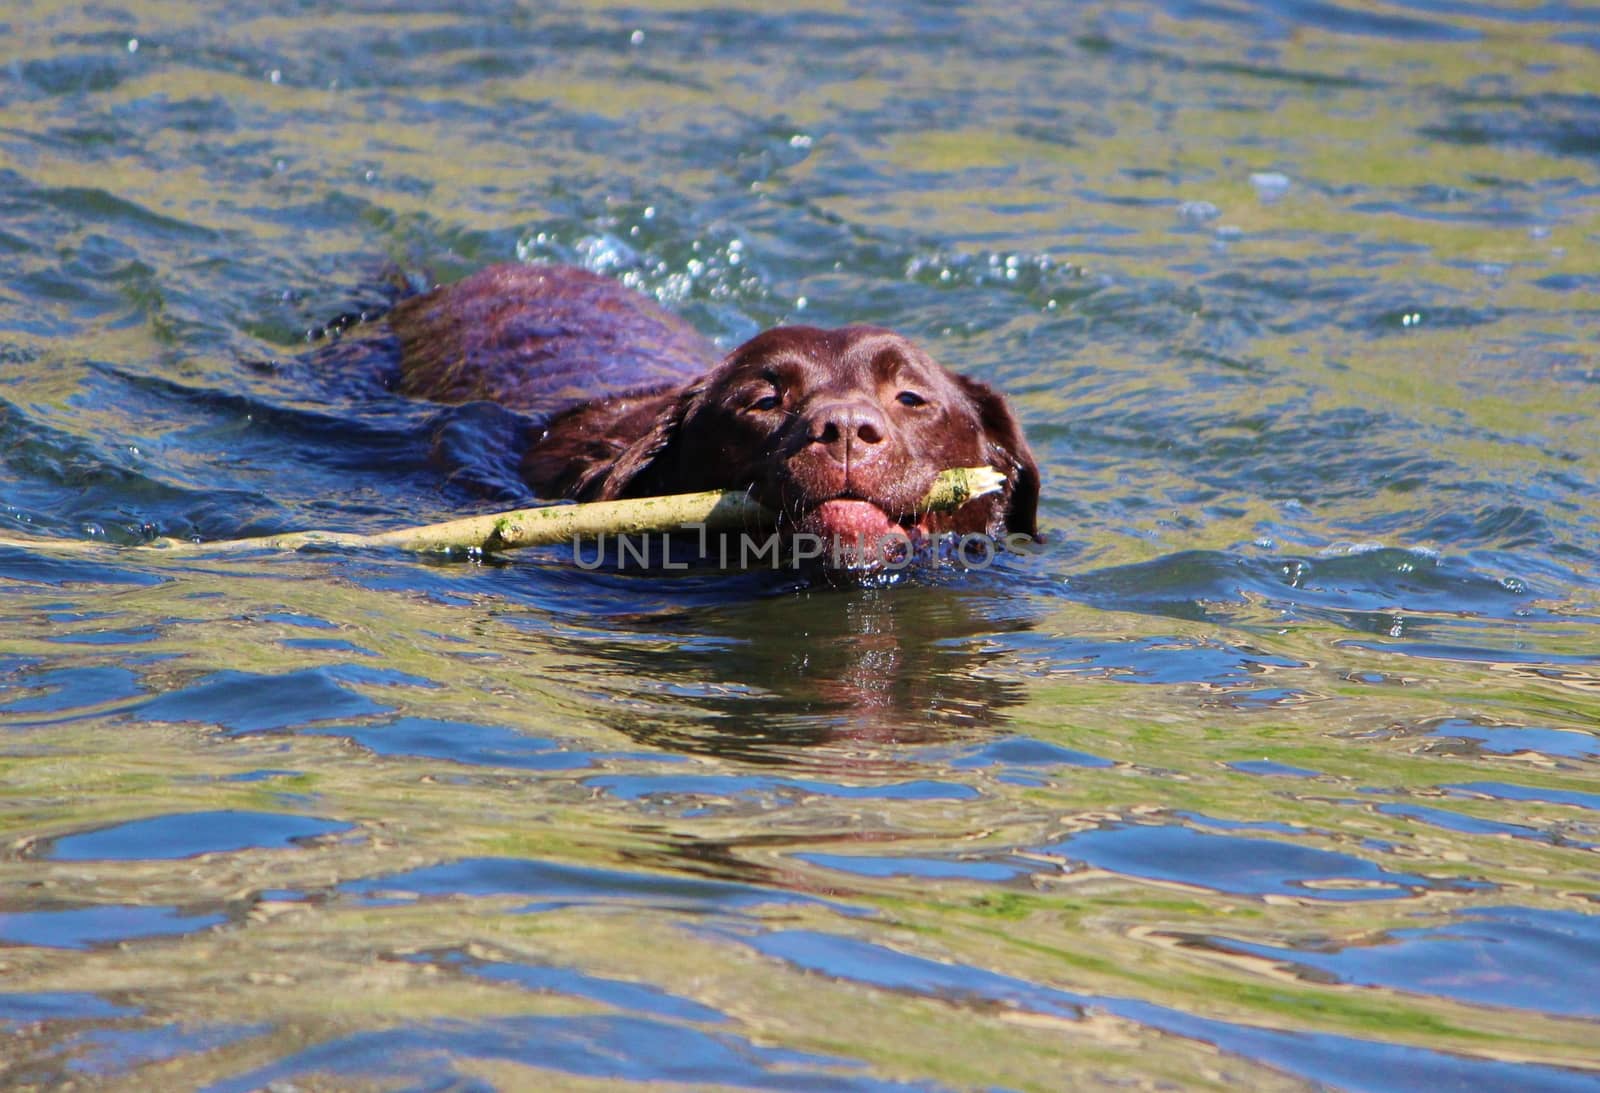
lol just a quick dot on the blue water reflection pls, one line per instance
(1513, 740)
(59, 1006)
(1022, 751)
(460, 742)
(1242, 866)
(620, 994)
(634, 787)
(1342, 1061)
(430, 1055)
(1494, 956)
(108, 1052)
(62, 689)
(81, 927)
(189, 834)
(250, 702)
(1451, 820)
(556, 886)
(1272, 769)
(1506, 791)
(864, 865)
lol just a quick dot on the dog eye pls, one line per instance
(910, 398)
(769, 402)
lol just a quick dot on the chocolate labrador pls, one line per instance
(840, 432)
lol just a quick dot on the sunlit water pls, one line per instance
(1277, 766)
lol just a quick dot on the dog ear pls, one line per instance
(636, 469)
(1008, 453)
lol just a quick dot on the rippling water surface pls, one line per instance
(1276, 767)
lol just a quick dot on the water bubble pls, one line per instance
(1345, 548)
(1513, 585)
(1198, 212)
(1270, 185)
(133, 45)
(1411, 318)
(607, 252)
(636, 37)
(800, 304)
(800, 140)
(276, 75)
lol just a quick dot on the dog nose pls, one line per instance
(841, 427)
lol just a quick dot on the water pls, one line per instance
(1276, 767)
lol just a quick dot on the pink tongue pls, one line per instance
(850, 520)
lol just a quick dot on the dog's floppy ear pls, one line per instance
(633, 472)
(1008, 453)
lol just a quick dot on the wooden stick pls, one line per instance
(716, 510)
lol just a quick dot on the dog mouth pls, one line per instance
(854, 520)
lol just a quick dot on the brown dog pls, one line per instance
(841, 432)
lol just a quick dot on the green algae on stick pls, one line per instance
(548, 525)
(715, 510)
(958, 485)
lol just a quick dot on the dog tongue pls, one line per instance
(850, 520)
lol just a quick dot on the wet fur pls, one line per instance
(636, 403)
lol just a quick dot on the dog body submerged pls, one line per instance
(840, 432)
